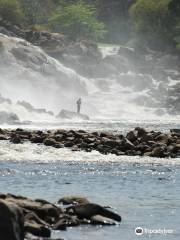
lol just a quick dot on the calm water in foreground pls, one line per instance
(144, 191)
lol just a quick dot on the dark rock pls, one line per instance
(175, 132)
(89, 210)
(32, 217)
(140, 131)
(3, 137)
(158, 152)
(37, 229)
(128, 145)
(37, 139)
(46, 212)
(162, 138)
(73, 200)
(100, 220)
(68, 144)
(146, 137)
(16, 139)
(11, 221)
(132, 135)
(66, 221)
(49, 142)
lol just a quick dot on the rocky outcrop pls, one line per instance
(11, 221)
(81, 56)
(65, 114)
(22, 217)
(138, 142)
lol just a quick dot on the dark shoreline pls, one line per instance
(24, 218)
(138, 142)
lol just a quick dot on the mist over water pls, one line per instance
(28, 74)
(143, 190)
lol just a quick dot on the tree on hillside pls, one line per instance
(77, 20)
(38, 11)
(152, 21)
(115, 15)
(10, 10)
(174, 8)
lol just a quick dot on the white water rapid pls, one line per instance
(28, 74)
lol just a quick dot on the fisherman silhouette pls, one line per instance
(78, 105)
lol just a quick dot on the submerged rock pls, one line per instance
(65, 114)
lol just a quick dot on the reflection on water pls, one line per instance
(146, 195)
(144, 191)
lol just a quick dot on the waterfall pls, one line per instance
(28, 74)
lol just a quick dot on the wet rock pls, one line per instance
(3, 137)
(66, 221)
(73, 200)
(146, 137)
(128, 145)
(37, 139)
(21, 216)
(175, 132)
(158, 152)
(11, 221)
(46, 212)
(37, 229)
(140, 131)
(162, 138)
(89, 210)
(100, 220)
(32, 217)
(68, 144)
(49, 142)
(132, 135)
(16, 139)
(32, 237)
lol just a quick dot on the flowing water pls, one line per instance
(144, 191)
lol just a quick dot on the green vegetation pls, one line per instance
(139, 23)
(155, 23)
(10, 10)
(78, 21)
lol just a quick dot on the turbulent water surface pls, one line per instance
(144, 191)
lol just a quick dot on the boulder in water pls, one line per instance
(88, 210)
(65, 114)
(11, 221)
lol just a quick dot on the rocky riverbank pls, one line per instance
(138, 142)
(23, 218)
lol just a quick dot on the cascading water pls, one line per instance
(28, 74)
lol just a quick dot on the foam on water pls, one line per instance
(29, 74)
(43, 154)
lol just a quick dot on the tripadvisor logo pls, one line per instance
(139, 231)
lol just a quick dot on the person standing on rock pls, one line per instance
(79, 102)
